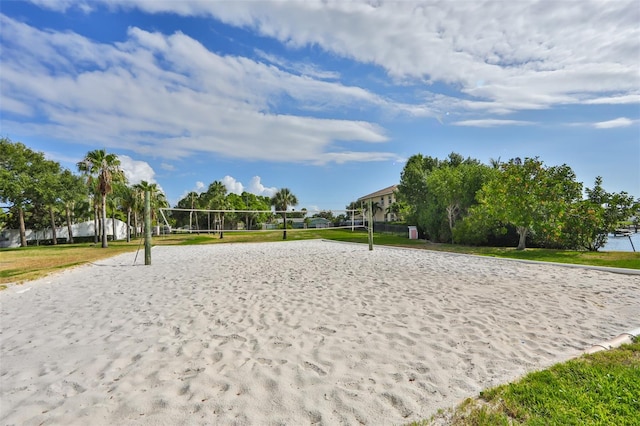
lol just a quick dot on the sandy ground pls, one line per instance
(291, 333)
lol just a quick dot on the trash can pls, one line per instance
(413, 232)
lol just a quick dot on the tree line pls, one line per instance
(458, 200)
(44, 195)
(249, 209)
(463, 201)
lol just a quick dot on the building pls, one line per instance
(381, 201)
(11, 237)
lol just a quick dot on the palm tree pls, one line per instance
(375, 207)
(73, 192)
(129, 201)
(216, 199)
(113, 202)
(157, 200)
(106, 168)
(281, 200)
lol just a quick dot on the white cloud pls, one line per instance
(63, 5)
(136, 171)
(306, 69)
(618, 122)
(168, 167)
(198, 188)
(615, 100)
(256, 187)
(508, 55)
(171, 97)
(491, 123)
(232, 185)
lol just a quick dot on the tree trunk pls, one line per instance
(23, 231)
(105, 244)
(222, 227)
(53, 227)
(69, 225)
(95, 224)
(451, 211)
(284, 232)
(522, 231)
(113, 225)
(128, 225)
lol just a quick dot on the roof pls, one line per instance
(386, 191)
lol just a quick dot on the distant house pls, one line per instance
(383, 198)
(319, 222)
(302, 223)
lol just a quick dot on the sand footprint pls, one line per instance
(265, 361)
(326, 331)
(66, 388)
(315, 368)
(397, 403)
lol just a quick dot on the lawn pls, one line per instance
(597, 389)
(28, 263)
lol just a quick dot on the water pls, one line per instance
(622, 243)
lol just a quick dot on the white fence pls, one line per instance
(11, 237)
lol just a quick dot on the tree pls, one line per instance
(592, 219)
(375, 208)
(129, 201)
(412, 189)
(529, 196)
(49, 189)
(216, 200)
(354, 208)
(282, 200)
(73, 192)
(397, 210)
(113, 201)
(104, 167)
(560, 192)
(253, 202)
(157, 199)
(22, 176)
(188, 202)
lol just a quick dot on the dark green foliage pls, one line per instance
(437, 193)
(35, 189)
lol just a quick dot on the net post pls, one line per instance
(370, 228)
(147, 228)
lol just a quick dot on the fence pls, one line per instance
(388, 228)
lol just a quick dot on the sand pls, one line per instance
(294, 333)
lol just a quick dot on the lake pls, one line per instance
(622, 243)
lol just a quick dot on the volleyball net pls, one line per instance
(182, 220)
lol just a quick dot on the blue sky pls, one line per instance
(327, 98)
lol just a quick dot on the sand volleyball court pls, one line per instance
(291, 333)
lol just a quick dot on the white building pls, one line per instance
(11, 237)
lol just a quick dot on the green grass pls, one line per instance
(27, 263)
(617, 259)
(22, 264)
(597, 389)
